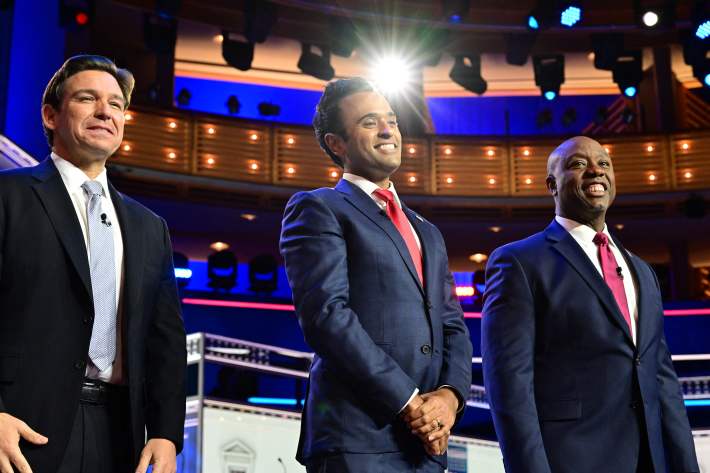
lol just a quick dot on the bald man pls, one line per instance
(575, 362)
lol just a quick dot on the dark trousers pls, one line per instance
(395, 462)
(100, 440)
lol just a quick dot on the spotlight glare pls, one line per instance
(650, 19)
(571, 16)
(707, 79)
(392, 74)
(630, 91)
(703, 30)
(532, 23)
(550, 95)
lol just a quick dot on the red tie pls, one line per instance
(395, 213)
(612, 274)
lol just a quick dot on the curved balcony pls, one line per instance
(281, 155)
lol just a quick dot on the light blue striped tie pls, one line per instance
(102, 349)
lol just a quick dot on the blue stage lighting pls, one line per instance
(697, 402)
(703, 30)
(454, 18)
(275, 401)
(570, 16)
(707, 80)
(550, 95)
(532, 23)
(630, 91)
(183, 273)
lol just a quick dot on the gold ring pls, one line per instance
(437, 424)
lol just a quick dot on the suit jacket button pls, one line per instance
(428, 304)
(637, 360)
(79, 364)
(634, 405)
(87, 320)
(426, 349)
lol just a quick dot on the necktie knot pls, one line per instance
(93, 188)
(600, 239)
(385, 195)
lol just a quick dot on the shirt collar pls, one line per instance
(74, 177)
(581, 231)
(368, 187)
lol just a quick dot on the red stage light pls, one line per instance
(81, 18)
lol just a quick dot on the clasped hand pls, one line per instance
(430, 417)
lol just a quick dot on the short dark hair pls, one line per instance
(54, 93)
(327, 117)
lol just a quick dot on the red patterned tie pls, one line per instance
(612, 275)
(395, 213)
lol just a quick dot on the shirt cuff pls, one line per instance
(414, 394)
(462, 403)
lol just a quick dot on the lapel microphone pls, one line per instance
(618, 271)
(107, 222)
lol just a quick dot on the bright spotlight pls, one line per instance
(650, 19)
(550, 95)
(630, 91)
(570, 16)
(703, 30)
(707, 80)
(532, 23)
(391, 74)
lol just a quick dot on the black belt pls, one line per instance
(94, 391)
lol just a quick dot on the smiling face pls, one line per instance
(581, 180)
(372, 145)
(88, 127)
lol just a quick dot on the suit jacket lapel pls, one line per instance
(364, 204)
(565, 244)
(56, 202)
(133, 255)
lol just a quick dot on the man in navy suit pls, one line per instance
(375, 299)
(575, 362)
(92, 344)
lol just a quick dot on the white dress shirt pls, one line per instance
(584, 236)
(73, 178)
(368, 187)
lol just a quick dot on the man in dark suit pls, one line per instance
(375, 299)
(575, 362)
(92, 345)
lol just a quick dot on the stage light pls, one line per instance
(455, 10)
(238, 54)
(607, 47)
(74, 15)
(260, 17)
(478, 257)
(391, 74)
(466, 72)
(343, 38)
(542, 16)
(263, 274)
(549, 74)
(628, 72)
(183, 273)
(701, 71)
(222, 270)
(316, 65)
(703, 30)
(269, 109)
(518, 47)
(650, 19)
(570, 16)
(183, 97)
(233, 105)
